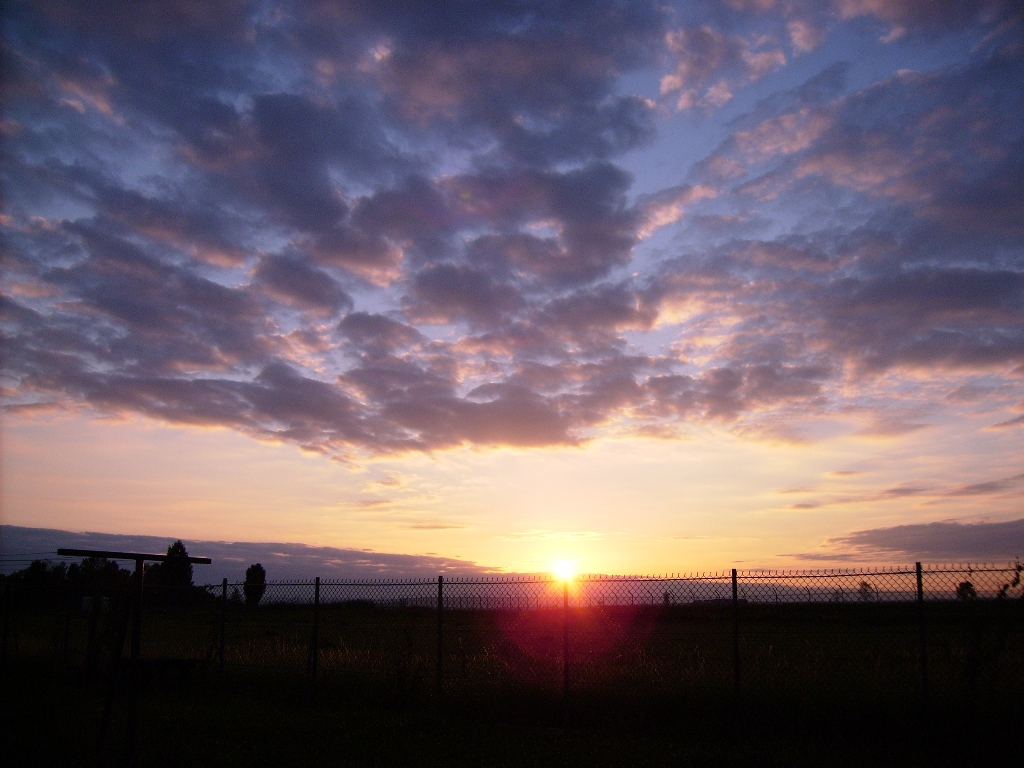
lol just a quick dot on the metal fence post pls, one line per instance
(440, 634)
(65, 640)
(565, 640)
(115, 662)
(8, 599)
(921, 631)
(223, 622)
(314, 640)
(735, 634)
(133, 684)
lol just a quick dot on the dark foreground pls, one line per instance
(393, 681)
(50, 719)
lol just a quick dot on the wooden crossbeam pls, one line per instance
(137, 556)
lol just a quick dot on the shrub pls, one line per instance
(965, 591)
(255, 584)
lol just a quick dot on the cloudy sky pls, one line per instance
(653, 287)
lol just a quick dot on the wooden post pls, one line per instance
(133, 610)
(735, 634)
(223, 622)
(565, 640)
(440, 635)
(921, 631)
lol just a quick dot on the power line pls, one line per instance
(27, 554)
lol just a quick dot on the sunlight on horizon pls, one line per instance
(564, 570)
(627, 505)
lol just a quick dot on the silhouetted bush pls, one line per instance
(965, 591)
(94, 575)
(255, 584)
(1013, 584)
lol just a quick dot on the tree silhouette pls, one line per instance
(965, 591)
(255, 584)
(175, 571)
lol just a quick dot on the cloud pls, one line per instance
(858, 143)
(197, 225)
(374, 228)
(504, 415)
(1005, 487)
(954, 317)
(987, 488)
(722, 394)
(936, 542)
(1009, 423)
(172, 317)
(448, 293)
(904, 280)
(376, 334)
(537, 77)
(907, 15)
(437, 526)
(295, 282)
(668, 206)
(282, 561)
(702, 55)
(783, 135)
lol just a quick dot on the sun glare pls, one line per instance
(563, 569)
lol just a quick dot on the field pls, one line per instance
(648, 684)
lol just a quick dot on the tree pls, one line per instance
(175, 571)
(41, 573)
(98, 573)
(255, 584)
(866, 592)
(965, 591)
(91, 572)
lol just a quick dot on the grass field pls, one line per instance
(819, 684)
(54, 721)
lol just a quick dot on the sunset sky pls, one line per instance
(649, 287)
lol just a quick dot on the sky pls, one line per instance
(647, 287)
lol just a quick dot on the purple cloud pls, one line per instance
(935, 542)
(282, 561)
(389, 227)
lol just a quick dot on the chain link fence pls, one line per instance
(944, 631)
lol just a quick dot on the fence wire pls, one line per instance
(948, 629)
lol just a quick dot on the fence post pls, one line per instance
(223, 623)
(921, 631)
(8, 599)
(565, 640)
(735, 634)
(65, 640)
(314, 640)
(115, 663)
(133, 684)
(440, 634)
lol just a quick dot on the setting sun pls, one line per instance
(563, 569)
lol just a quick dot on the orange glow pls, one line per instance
(510, 510)
(563, 569)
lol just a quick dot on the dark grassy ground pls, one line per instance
(51, 721)
(54, 719)
(821, 685)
